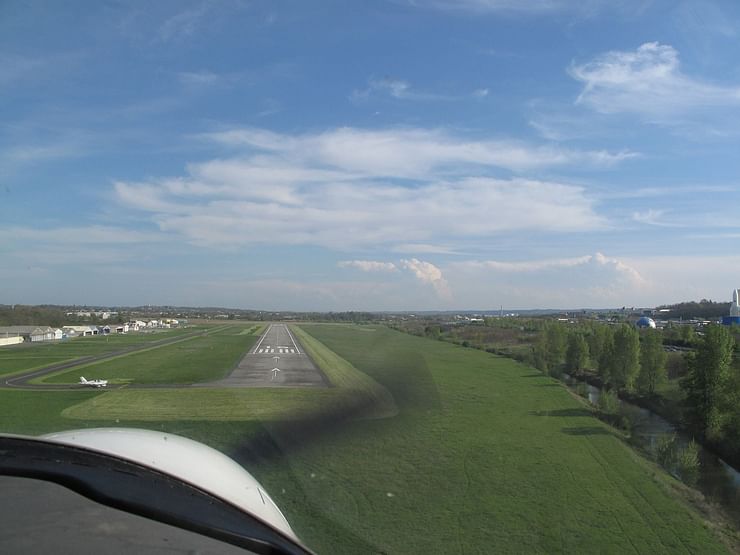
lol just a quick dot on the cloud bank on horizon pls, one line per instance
(145, 157)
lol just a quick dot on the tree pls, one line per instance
(705, 384)
(625, 360)
(652, 362)
(576, 354)
(596, 340)
(554, 345)
(605, 355)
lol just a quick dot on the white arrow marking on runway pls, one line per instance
(274, 373)
(276, 358)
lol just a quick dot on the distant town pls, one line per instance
(37, 323)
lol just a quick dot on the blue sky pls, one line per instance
(384, 155)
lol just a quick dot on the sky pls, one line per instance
(369, 155)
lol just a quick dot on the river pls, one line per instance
(717, 480)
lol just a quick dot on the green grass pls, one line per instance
(232, 404)
(202, 358)
(203, 404)
(343, 375)
(484, 455)
(27, 357)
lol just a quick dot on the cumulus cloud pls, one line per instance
(368, 265)
(593, 280)
(426, 272)
(648, 82)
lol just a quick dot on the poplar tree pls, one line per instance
(576, 353)
(625, 361)
(706, 383)
(652, 362)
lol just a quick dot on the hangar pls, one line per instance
(28, 333)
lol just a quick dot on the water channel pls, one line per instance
(717, 480)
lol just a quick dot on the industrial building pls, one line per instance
(645, 322)
(734, 316)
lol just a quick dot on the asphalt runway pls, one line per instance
(276, 360)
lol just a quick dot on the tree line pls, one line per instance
(633, 361)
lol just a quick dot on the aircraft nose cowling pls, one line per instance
(188, 460)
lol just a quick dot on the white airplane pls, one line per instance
(93, 383)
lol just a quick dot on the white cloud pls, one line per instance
(426, 272)
(406, 189)
(357, 213)
(368, 265)
(411, 152)
(651, 217)
(597, 260)
(182, 24)
(492, 6)
(480, 93)
(529, 7)
(198, 78)
(395, 88)
(586, 281)
(647, 82)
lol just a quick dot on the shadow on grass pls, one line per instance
(276, 440)
(587, 431)
(562, 412)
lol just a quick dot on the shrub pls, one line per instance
(687, 462)
(608, 402)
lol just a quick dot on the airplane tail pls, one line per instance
(82, 379)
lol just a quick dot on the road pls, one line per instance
(276, 360)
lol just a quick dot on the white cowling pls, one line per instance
(188, 460)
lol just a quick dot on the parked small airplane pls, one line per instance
(93, 383)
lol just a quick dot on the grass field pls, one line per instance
(201, 358)
(484, 455)
(26, 357)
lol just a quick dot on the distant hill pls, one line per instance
(703, 309)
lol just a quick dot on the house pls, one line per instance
(58, 334)
(120, 328)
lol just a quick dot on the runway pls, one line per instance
(276, 360)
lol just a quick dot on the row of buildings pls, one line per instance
(11, 335)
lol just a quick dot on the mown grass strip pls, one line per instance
(200, 358)
(342, 374)
(204, 404)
